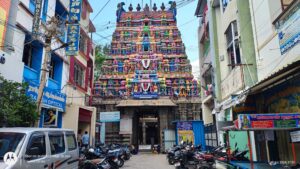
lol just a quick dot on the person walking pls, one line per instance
(85, 140)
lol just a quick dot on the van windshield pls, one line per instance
(9, 142)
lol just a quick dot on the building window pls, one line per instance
(83, 44)
(79, 73)
(27, 55)
(51, 69)
(233, 48)
(32, 6)
(32, 53)
(55, 70)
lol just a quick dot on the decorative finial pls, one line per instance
(162, 7)
(138, 8)
(154, 7)
(146, 8)
(130, 8)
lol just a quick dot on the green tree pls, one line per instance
(16, 108)
(101, 54)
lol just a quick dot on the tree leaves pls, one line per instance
(16, 108)
(101, 55)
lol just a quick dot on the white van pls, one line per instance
(38, 148)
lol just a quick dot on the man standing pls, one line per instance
(85, 139)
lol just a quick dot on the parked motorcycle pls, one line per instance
(91, 160)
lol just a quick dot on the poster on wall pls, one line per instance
(295, 136)
(49, 118)
(185, 132)
(125, 126)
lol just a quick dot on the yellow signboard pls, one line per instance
(186, 136)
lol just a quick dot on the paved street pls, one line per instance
(148, 161)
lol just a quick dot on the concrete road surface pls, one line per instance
(158, 161)
(148, 161)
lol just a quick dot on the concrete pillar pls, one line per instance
(144, 132)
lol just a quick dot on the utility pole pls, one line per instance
(51, 31)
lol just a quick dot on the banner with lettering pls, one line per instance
(51, 98)
(269, 121)
(73, 27)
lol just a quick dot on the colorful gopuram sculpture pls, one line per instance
(147, 58)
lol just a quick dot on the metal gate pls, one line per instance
(211, 138)
(168, 139)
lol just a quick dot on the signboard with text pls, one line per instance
(51, 98)
(269, 121)
(74, 27)
(110, 116)
(73, 36)
(185, 132)
(36, 19)
(288, 28)
(75, 11)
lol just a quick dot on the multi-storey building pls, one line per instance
(232, 59)
(255, 58)
(206, 73)
(276, 32)
(66, 97)
(11, 65)
(147, 77)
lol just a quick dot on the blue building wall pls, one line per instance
(198, 130)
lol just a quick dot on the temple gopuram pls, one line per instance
(147, 77)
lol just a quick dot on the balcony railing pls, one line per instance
(233, 82)
(53, 84)
(30, 74)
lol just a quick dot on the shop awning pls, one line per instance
(287, 71)
(231, 102)
(158, 102)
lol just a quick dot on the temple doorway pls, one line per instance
(148, 127)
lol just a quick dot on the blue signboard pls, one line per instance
(110, 116)
(75, 11)
(145, 96)
(185, 125)
(51, 98)
(73, 36)
(288, 29)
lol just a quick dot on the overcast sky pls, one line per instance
(186, 22)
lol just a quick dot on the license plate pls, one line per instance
(177, 164)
